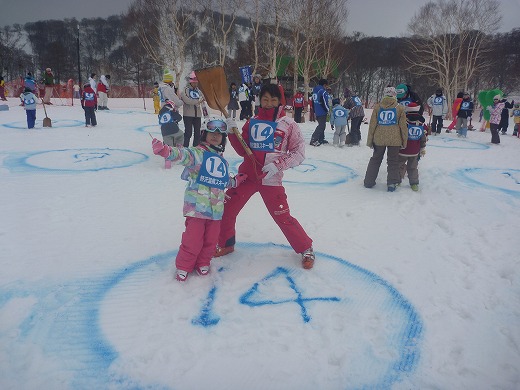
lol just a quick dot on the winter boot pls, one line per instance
(415, 187)
(308, 258)
(204, 270)
(391, 187)
(181, 275)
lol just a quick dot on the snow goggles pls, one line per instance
(216, 125)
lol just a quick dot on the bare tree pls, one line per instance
(223, 15)
(256, 22)
(449, 41)
(165, 29)
(12, 55)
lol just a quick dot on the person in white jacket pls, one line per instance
(92, 81)
(439, 107)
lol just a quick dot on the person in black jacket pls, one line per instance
(465, 112)
(405, 96)
(504, 117)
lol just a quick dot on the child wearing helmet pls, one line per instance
(207, 174)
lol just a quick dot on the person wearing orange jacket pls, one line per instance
(454, 111)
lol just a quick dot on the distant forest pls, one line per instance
(135, 49)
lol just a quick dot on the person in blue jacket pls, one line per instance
(338, 119)
(320, 100)
(29, 104)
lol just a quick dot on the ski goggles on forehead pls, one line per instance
(216, 125)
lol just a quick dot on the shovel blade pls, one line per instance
(213, 84)
(47, 122)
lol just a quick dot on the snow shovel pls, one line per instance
(213, 84)
(46, 121)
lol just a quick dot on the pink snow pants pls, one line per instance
(198, 243)
(275, 200)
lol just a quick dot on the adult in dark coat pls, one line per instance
(504, 118)
(405, 96)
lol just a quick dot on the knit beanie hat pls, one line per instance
(389, 91)
(401, 90)
(412, 107)
(438, 92)
(167, 76)
(323, 82)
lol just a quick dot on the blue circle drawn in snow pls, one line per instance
(155, 129)
(56, 124)
(506, 180)
(456, 143)
(310, 173)
(78, 338)
(74, 160)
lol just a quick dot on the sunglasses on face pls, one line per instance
(216, 125)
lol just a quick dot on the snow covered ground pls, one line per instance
(411, 290)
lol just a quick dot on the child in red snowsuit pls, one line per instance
(277, 144)
(89, 104)
(299, 105)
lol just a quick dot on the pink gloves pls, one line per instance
(160, 149)
(237, 180)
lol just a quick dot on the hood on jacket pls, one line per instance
(389, 102)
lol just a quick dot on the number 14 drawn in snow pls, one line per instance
(253, 298)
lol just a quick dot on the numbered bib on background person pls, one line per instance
(387, 117)
(29, 101)
(437, 101)
(415, 132)
(213, 171)
(357, 100)
(405, 102)
(194, 94)
(261, 135)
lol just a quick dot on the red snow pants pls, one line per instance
(275, 200)
(198, 243)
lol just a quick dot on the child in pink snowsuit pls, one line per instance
(208, 176)
(277, 144)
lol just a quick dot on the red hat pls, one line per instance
(413, 107)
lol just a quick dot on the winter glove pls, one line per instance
(270, 170)
(423, 152)
(231, 123)
(237, 180)
(160, 149)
